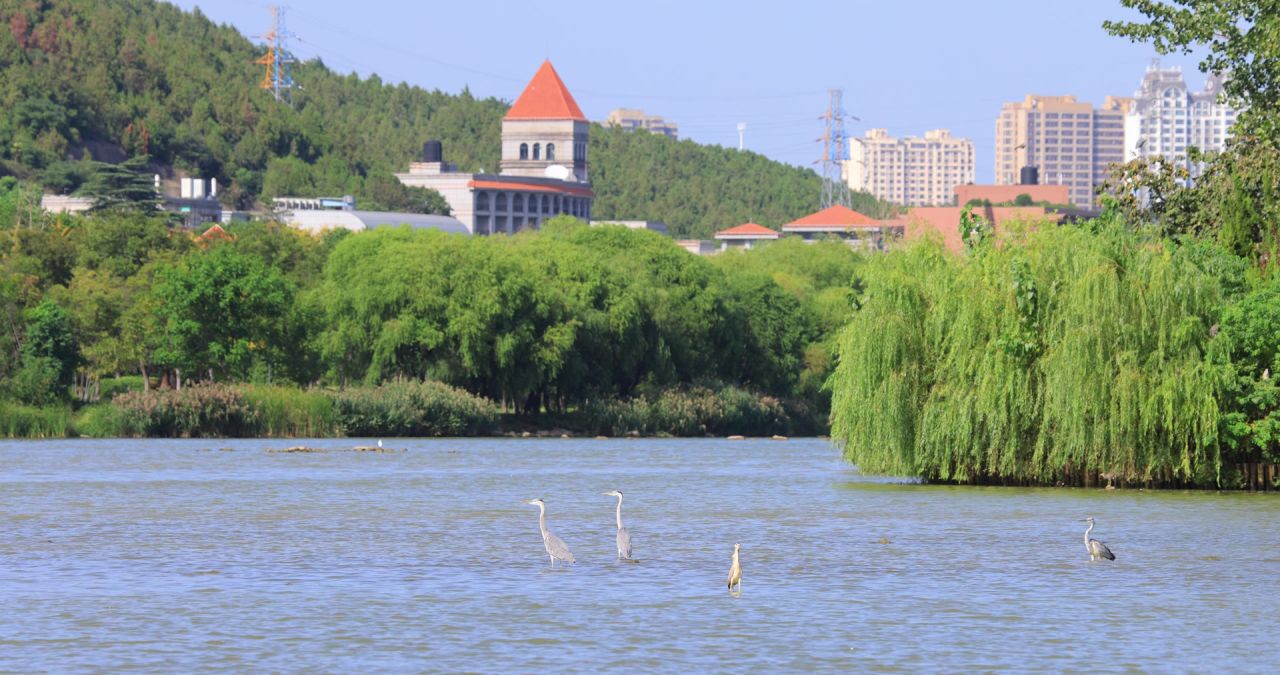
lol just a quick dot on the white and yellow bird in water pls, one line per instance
(735, 570)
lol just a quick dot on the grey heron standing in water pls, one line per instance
(556, 548)
(1095, 548)
(735, 570)
(624, 537)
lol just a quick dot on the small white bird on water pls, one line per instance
(379, 442)
(735, 570)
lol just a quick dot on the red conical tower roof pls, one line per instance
(546, 98)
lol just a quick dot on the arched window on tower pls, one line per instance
(537, 151)
(551, 152)
(524, 151)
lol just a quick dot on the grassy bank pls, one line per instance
(24, 421)
(402, 408)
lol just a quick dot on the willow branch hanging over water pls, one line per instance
(1058, 354)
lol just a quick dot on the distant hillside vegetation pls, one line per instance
(117, 77)
(698, 189)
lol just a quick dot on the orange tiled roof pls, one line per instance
(833, 216)
(748, 230)
(216, 232)
(529, 187)
(545, 98)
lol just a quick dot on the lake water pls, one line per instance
(173, 556)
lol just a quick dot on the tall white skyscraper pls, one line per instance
(1166, 117)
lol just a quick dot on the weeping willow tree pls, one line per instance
(1052, 354)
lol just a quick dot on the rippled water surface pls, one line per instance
(173, 556)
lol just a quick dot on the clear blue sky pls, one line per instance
(907, 65)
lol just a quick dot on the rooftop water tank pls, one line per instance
(432, 151)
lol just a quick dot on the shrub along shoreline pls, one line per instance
(400, 408)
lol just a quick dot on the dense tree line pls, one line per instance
(1059, 355)
(1137, 347)
(124, 78)
(539, 322)
(575, 312)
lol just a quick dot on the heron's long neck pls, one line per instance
(619, 512)
(542, 520)
(1086, 534)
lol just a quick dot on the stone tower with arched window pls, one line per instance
(543, 172)
(545, 128)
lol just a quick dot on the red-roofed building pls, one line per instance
(745, 236)
(545, 98)
(215, 233)
(1007, 194)
(944, 221)
(843, 222)
(543, 172)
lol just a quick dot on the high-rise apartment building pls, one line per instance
(910, 171)
(1167, 118)
(1069, 142)
(633, 118)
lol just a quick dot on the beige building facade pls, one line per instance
(1069, 142)
(634, 118)
(910, 171)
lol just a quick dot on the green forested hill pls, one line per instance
(122, 76)
(139, 73)
(698, 189)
